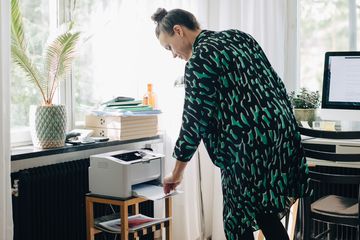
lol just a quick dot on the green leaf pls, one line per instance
(23, 61)
(59, 56)
(17, 29)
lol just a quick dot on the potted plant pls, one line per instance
(305, 103)
(47, 121)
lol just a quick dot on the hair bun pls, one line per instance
(159, 15)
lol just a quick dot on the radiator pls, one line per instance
(51, 203)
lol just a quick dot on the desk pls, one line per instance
(333, 145)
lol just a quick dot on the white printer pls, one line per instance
(114, 173)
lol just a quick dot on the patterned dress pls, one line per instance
(237, 104)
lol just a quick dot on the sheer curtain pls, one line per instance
(187, 207)
(132, 57)
(6, 223)
(138, 58)
(198, 211)
(273, 24)
(126, 55)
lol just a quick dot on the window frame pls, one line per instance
(66, 87)
(21, 136)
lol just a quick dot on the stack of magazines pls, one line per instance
(128, 106)
(112, 223)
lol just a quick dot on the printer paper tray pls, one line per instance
(151, 192)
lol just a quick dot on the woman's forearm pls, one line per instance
(178, 170)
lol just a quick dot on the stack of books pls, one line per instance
(123, 118)
(122, 127)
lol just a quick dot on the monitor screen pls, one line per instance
(341, 85)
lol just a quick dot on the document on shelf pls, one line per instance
(152, 192)
(135, 222)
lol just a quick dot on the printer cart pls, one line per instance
(124, 204)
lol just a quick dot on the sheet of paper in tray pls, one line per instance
(151, 192)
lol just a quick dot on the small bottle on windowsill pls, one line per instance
(150, 97)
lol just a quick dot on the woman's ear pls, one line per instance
(178, 30)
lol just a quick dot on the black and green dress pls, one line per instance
(237, 104)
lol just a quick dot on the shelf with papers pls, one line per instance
(139, 224)
(124, 222)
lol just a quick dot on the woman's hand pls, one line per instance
(171, 182)
(174, 179)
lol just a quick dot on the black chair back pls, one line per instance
(329, 156)
(329, 134)
(322, 181)
(334, 178)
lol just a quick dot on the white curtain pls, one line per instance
(133, 57)
(187, 214)
(271, 23)
(198, 212)
(6, 223)
(142, 60)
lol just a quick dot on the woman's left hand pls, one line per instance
(170, 183)
(174, 179)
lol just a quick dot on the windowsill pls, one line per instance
(27, 152)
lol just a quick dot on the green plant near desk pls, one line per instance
(305, 99)
(47, 121)
(305, 103)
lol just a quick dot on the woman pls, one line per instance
(237, 104)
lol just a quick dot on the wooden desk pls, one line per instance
(340, 146)
(124, 204)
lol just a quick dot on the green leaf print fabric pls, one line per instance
(237, 104)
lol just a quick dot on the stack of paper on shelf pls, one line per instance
(112, 223)
(122, 127)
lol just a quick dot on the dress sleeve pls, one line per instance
(201, 74)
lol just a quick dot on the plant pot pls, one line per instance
(48, 126)
(308, 115)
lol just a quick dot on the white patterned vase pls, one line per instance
(308, 115)
(48, 126)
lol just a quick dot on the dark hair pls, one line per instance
(165, 20)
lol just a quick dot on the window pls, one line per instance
(94, 67)
(325, 25)
(120, 55)
(37, 24)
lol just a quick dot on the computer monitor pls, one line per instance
(341, 83)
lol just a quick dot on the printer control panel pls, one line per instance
(135, 155)
(130, 156)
